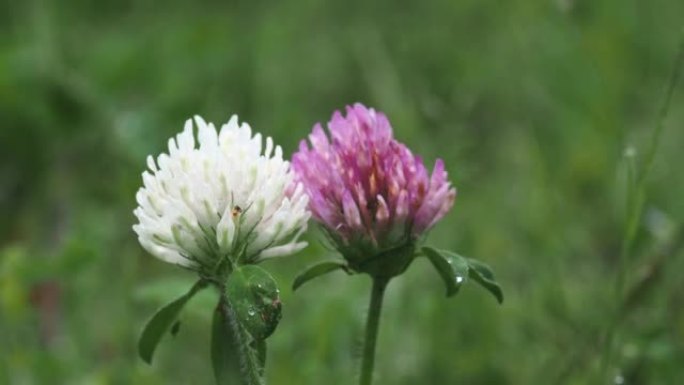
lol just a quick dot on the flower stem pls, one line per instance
(372, 325)
(248, 368)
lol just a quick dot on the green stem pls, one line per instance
(249, 371)
(372, 325)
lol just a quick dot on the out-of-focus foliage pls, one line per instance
(531, 103)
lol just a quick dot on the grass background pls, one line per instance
(530, 103)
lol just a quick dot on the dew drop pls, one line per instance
(459, 279)
(630, 152)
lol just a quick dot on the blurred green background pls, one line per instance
(530, 103)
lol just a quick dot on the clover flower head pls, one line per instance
(369, 191)
(220, 196)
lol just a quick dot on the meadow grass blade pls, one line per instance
(636, 198)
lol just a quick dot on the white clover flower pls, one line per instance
(221, 200)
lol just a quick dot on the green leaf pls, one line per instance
(451, 267)
(255, 297)
(482, 274)
(161, 322)
(225, 349)
(316, 270)
(175, 328)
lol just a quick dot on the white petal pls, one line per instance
(225, 232)
(281, 251)
(269, 147)
(186, 139)
(150, 163)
